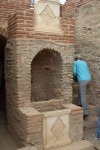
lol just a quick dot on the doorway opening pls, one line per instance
(3, 41)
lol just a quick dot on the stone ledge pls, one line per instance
(79, 145)
(29, 111)
(73, 107)
(28, 148)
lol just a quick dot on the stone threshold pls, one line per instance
(79, 145)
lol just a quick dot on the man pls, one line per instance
(82, 73)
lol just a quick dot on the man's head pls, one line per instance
(77, 57)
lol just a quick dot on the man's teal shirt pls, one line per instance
(81, 70)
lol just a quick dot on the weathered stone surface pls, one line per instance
(28, 148)
(80, 145)
(36, 70)
(47, 16)
(88, 42)
(56, 128)
(39, 69)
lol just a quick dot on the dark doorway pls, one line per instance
(3, 41)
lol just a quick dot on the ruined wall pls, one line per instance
(87, 36)
(88, 42)
(9, 6)
(24, 43)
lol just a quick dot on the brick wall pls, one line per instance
(23, 53)
(23, 45)
(88, 43)
(71, 6)
(86, 13)
(21, 25)
(32, 124)
(9, 6)
(6, 8)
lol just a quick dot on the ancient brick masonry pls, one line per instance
(25, 49)
(28, 94)
(21, 25)
(9, 6)
(86, 14)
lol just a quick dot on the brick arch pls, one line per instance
(32, 48)
(46, 74)
(24, 53)
(37, 46)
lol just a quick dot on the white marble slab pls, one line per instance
(56, 128)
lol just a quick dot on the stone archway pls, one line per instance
(21, 57)
(46, 76)
(26, 52)
(22, 53)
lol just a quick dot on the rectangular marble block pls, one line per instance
(56, 128)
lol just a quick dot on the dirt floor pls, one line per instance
(88, 134)
(6, 142)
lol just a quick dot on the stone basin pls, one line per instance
(55, 123)
(52, 125)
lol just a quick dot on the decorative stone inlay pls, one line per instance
(58, 128)
(47, 15)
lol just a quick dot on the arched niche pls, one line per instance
(46, 76)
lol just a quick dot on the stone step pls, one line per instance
(92, 118)
(28, 148)
(97, 147)
(75, 85)
(88, 136)
(93, 110)
(89, 125)
(75, 93)
(75, 89)
(90, 122)
(75, 98)
(79, 145)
